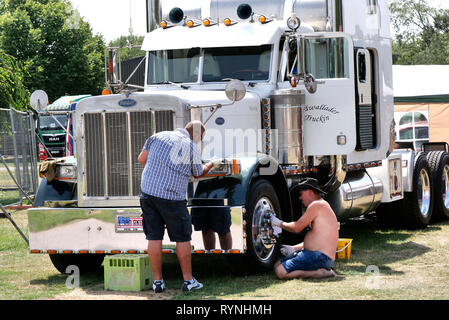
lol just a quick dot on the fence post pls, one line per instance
(34, 151)
(16, 158)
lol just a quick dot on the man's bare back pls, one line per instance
(323, 235)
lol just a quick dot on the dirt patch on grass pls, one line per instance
(83, 294)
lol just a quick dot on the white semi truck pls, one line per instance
(287, 89)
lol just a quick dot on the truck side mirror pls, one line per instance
(311, 83)
(235, 90)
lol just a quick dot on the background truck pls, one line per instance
(52, 127)
(287, 90)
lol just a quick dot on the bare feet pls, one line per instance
(324, 273)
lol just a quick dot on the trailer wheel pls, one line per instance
(85, 262)
(262, 196)
(417, 205)
(439, 169)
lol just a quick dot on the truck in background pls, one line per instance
(52, 127)
(286, 89)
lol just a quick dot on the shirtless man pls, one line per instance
(315, 256)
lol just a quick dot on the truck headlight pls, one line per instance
(65, 172)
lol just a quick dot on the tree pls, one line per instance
(57, 48)
(421, 33)
(12, 89)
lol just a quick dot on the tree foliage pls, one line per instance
(12, 89)
(128, 52)
(60, 55)
(421, 33)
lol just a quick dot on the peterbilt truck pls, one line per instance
(286, 89)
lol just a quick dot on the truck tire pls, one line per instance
(417, 206)
(439, 170)
(85, 262)
(261, 255)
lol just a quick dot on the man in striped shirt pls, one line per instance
(170, 159)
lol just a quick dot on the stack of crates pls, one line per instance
(130, 272)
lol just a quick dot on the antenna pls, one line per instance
(131, 29)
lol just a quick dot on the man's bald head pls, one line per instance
(196, 130)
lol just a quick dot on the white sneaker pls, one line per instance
(158, 286)
(190, 285)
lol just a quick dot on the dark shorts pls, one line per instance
(158, 212)
(218, 219)
(307, 261)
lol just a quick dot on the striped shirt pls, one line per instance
(172, 159)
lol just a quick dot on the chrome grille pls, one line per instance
(113, 141)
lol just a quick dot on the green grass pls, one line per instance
(412, 265)
(9, 197)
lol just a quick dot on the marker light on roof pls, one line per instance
(206, 22)
(227, 21)
(163, 24)
(190, 23)
(262, 19)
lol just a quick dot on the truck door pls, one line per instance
(329, 122)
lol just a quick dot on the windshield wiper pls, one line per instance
(176, 84)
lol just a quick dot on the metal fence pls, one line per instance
(18, 152)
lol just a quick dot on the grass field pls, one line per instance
(385, 264)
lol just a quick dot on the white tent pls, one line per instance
(422, 91)
(420, 81)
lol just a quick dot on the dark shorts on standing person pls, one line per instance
(218, 219)
(158, 213)
(307, 261)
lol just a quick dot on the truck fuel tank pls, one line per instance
(359, 194)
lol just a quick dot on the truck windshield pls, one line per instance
(48, 123)
(243, 63)
(173, 66)
(219, 64)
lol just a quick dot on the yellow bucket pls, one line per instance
(343, 249)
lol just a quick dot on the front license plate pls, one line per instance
(126, 223)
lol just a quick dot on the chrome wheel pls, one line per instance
(445, 185)
(263, 249)
(424, 192)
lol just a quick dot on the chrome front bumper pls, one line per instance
(110, 231)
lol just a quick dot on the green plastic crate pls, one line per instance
(131, 272)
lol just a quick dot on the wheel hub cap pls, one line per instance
(264, 247)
